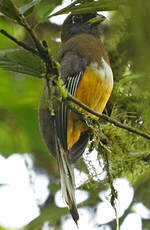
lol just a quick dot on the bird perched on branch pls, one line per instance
(87, 75)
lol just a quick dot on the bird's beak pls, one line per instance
(96, 20)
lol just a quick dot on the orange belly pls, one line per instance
(94, 93)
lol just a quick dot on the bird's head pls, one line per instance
(81, 23)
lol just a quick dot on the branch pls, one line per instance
(20, 43)
(108, 119)
(32, 33)
(42, 49)
(113, 191)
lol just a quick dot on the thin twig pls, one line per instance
(20, 43)
(113, 191)
(32, 33)
(42, 48)
(108, 119)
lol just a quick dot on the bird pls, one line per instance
(87, 75)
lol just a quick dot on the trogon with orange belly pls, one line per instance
(87, 75)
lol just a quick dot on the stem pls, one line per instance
(42, 48)
(20, 43)
(113, 191)
(32, 33)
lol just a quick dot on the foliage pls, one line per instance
(20, 61)
(127, 42)
(80, 6)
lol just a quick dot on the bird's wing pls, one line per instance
(63, 112)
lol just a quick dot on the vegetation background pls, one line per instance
(127, 37)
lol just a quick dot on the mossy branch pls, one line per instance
(107, 118)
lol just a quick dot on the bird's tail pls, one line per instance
(67, 182)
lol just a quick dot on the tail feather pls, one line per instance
(67, 182)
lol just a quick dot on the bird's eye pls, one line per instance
(76, 19)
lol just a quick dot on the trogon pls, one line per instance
(87, 75)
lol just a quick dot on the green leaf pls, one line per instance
(129, 78)
(8, 8)
(21, 61)
(46, 9)
(28, 9)
(81, 6)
